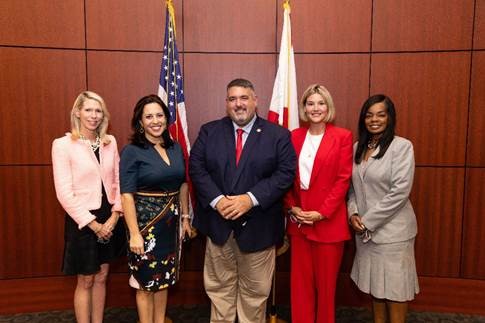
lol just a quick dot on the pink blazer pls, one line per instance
(329, 182)
(78, 177)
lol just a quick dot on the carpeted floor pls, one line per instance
(201, 314)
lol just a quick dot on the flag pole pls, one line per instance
(273, 317)
(171, 91)
(284, 111)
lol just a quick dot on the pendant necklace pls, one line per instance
(372, 143)
(314, 148)
(94, 145)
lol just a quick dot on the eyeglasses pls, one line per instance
(103, 241)
(365, 236)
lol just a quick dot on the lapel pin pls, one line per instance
(258, 130)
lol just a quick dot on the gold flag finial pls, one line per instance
(286, 4)
(171, 11)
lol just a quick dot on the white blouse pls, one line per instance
(307, 158)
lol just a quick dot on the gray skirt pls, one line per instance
(386, 271)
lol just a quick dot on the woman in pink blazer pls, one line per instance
(85, 163)
(317, 224)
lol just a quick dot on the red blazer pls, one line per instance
(328, 187)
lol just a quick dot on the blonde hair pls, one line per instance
(317, 89)
(76, 123)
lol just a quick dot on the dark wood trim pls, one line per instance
(55, 293)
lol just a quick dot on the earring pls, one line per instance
(141, 130)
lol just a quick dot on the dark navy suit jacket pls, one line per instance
(266, 169)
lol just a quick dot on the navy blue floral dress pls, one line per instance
(155, 186)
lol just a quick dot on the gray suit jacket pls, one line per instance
(380, 193)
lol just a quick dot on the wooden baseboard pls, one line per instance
(55, 293)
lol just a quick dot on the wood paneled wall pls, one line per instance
(429, 56)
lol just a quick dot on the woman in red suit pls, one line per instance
(317, 224)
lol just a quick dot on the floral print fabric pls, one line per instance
(158, 221)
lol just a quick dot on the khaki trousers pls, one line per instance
(237, 281)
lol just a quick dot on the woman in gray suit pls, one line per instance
(381, 214)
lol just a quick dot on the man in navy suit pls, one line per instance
(241, 167)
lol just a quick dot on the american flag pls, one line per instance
(171, 85)
(171, 91)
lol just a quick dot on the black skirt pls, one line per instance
(83, 254)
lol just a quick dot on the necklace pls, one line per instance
(94, 145)
(313, 147)
(372, 143)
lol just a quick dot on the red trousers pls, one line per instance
(314, 271)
